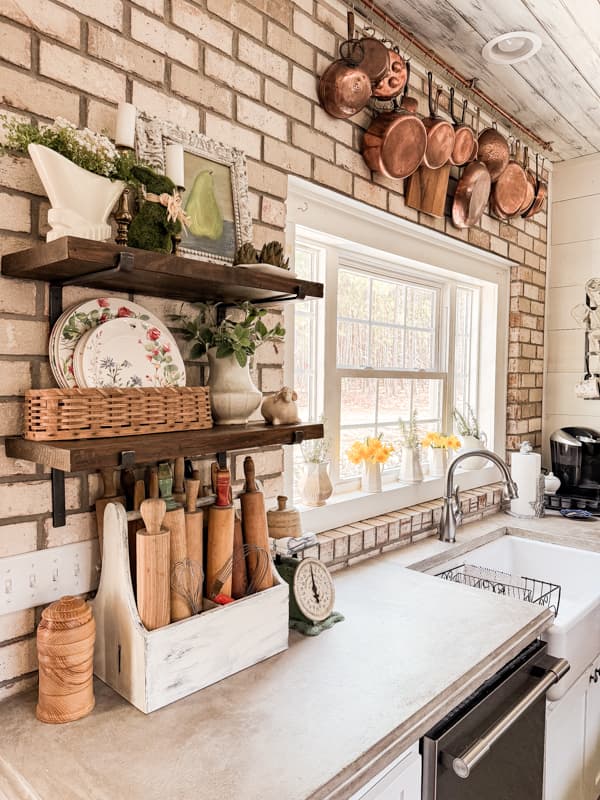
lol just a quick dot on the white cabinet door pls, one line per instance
(592, 734)
(401, 781)
(564, 759)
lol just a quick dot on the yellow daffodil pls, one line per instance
(440, 440)
(373, 450)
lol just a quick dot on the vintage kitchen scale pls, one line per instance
(312, 594)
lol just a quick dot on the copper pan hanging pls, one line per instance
(394, 80)
(531, 183)
(376, 58)
(440, 133)
(410, 104)
(510, 189)
(471, 195)
(541, 191)
(465, 141)
(345, 87)
(395, 143)
(493, 151)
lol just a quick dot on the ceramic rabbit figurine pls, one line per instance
(159, 219)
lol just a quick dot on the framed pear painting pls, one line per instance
(216, 188)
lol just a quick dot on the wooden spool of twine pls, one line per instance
(65, 646)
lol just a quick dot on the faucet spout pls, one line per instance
(451, 513)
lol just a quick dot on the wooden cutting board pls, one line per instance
(426, 190)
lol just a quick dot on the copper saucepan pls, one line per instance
(345, 87)
(510, 190)
(394, 80)
(409, 103)
(395, 142)
(376, 57)
(471, 195)
(440, 133)
(493, 151)
(540, 192)
(465, 141)
(531, 183)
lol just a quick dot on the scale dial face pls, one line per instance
(313, 589)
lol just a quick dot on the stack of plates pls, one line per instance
(110, 342)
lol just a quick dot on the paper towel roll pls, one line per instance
(525, 469)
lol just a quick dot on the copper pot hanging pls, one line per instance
(471, 195)
(440, 133)
(540, 192)
(394, 79)
(376, 59)
(465, 141)
(531, 184)
(493, 151)
(509, 190)
(395, 142)
(345, 87)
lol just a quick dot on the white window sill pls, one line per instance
(348, 507)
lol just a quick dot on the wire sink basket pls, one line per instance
(532, 590)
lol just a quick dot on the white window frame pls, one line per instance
(369, 237)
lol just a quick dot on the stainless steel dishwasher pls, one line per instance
(491, 746)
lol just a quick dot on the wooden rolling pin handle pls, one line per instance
(152, 482)
(139, 494)
(281, 502)
(223, 488)
(110, 485)
(250, 474)
(153, 512)
(192, 487)
(178, 476)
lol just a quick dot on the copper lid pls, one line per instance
(403, 146)
(376, 60)
(440, 142)
(510, 189)
(465, 146)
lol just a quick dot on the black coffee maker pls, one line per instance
(576, 461)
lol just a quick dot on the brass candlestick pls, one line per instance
(123, 218)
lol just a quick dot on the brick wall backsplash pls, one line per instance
(243, 72)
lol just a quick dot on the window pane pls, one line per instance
(383, 301)
(465, 351)
(419, 350)
(386, 347)
(394, 399)
(358, 401)
(353, 344)
(353, 295)
(420, 307)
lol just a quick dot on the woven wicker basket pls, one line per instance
(92, 413)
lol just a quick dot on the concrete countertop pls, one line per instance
(314, 722)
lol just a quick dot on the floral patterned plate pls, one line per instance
(128, 353)
(80, 319)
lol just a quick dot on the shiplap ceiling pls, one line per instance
(556, 93)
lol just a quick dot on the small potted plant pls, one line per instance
(82, 171)
(229, 345)
(439, 444)
(372, 453)
(473, 438)
(271, 258)
(410, 461)
(316, 487)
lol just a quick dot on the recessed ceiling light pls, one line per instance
(511, 48)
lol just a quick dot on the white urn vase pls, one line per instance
(410, 466)
(438, 461)
(371, 477)
(81, 200)
(233, 396)
(473, 443)
(317, 487)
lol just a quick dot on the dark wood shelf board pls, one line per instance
(91, 454)
(182, 278)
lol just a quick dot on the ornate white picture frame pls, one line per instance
(216, 198)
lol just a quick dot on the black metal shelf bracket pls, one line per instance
(59, 517)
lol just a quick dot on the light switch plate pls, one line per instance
(34, 579)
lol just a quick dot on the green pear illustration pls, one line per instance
(202, 208)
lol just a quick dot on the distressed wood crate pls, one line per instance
(154, 668)
(98, 413)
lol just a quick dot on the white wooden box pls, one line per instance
(154, 668)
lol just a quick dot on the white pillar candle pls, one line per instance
(174, 163)
(125, 133)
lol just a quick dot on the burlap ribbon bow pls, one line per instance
(172, 203)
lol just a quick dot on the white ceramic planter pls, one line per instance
(317, 487)
(438, 461)
(472, 443)
(233, 396)
(81, 201)
(371, 477)
(410, 466)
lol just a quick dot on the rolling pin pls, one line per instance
(178, 484)
(133, 526)
(109, 496)
(239, 575)
(219, 544)
(153, 568)
(193, 522)
(175, 523)
(254, 528)
(151, 480)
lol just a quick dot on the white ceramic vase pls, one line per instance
(233, 396)
(317, 487)
(438, 461)
(410, 466)
(371, 477)
(473, 443)
(81, 201)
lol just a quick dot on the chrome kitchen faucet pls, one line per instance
(451, 513)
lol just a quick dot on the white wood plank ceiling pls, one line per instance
(556, 93)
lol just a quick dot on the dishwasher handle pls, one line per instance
(462, 765)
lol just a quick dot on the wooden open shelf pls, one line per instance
(91, 454)
(82, 262)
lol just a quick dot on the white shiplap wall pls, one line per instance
(575, 257)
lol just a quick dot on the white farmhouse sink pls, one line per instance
(575, 634)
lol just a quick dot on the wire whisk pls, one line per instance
(187, 577)
(258, 561)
